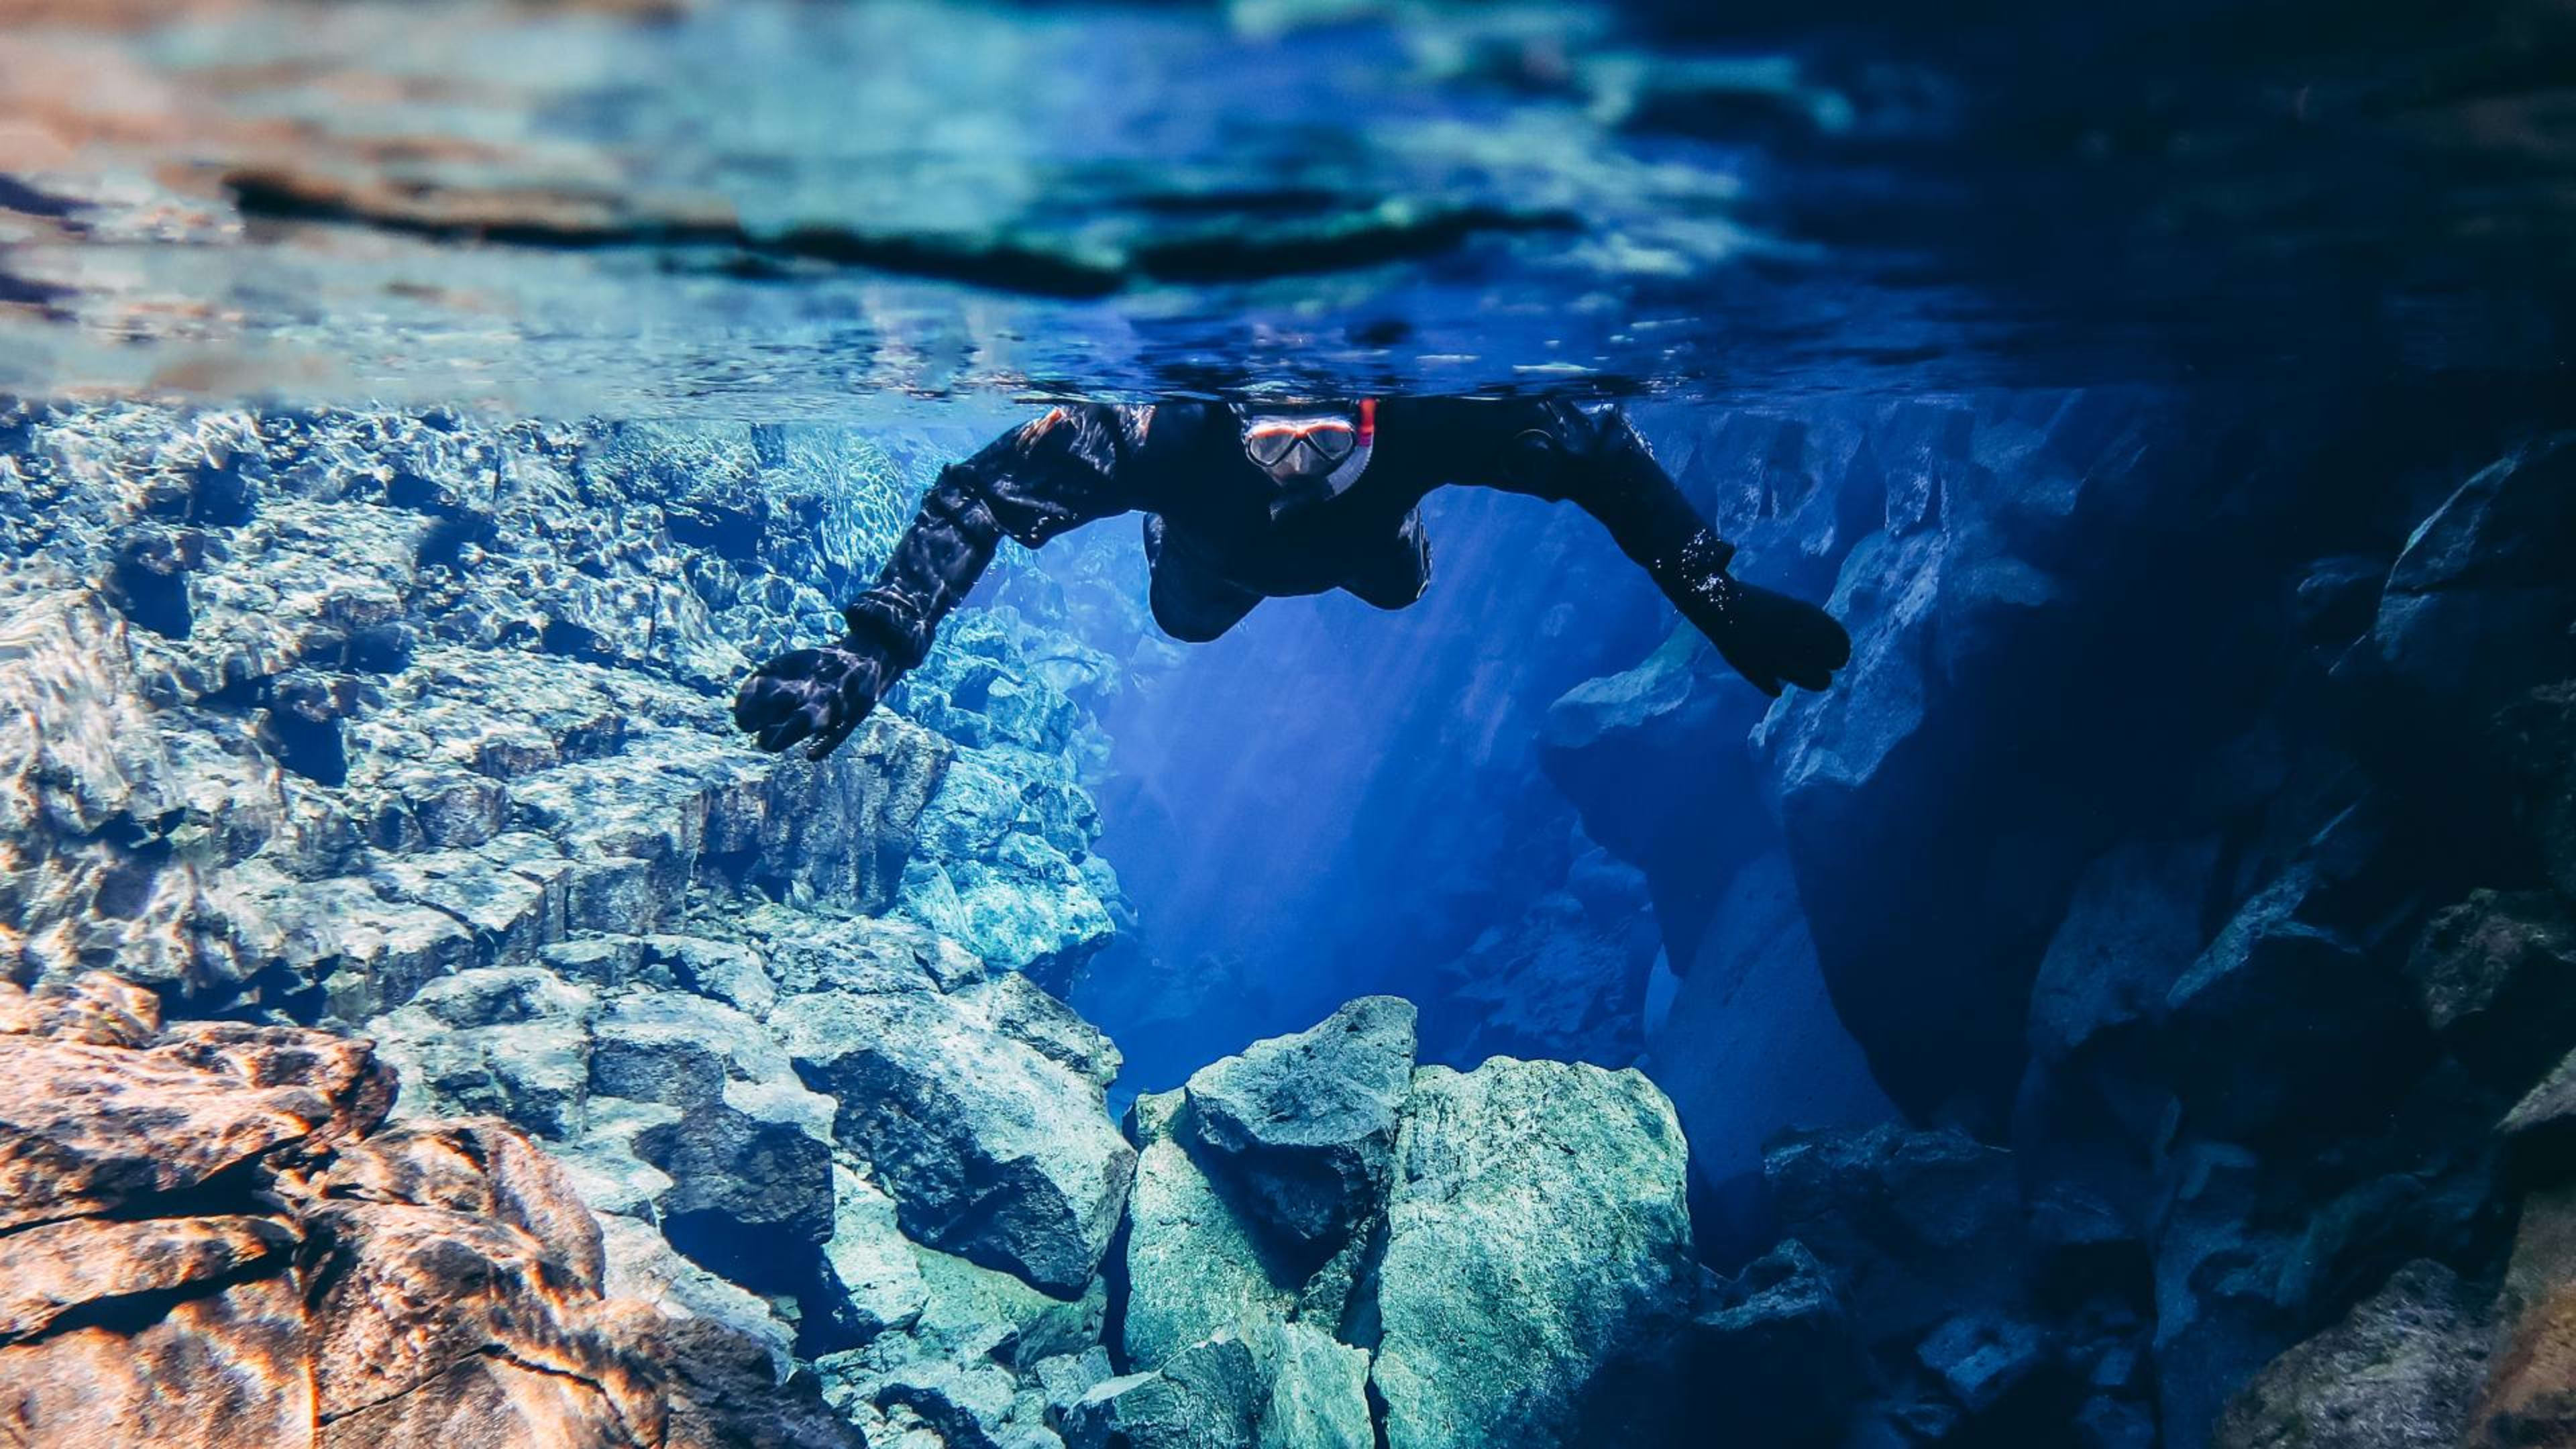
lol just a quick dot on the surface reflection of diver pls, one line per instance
(1248, 502)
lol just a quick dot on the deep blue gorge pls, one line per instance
(2134, 1006)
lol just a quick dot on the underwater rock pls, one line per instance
(1750, 1048)
(989, 876)
(96, 1127)
(998, 679)
(2541, 1128)
(1196, 1261)
(2218, 1314)
(1567, 980)
(1305, 1125)
(2131, 930)
(449, 692)
(1200, 1264)
(1979, 1358)
(2541, 743)
(2477, 608)
(2397, 1373)
(967, 1405)
(2496, 975)
(2530, 1393)
(1913, 1226)
(642, 1264)
(750, 1179)
(504, 1041)
(1773, 1353)
(2282, 1024)
(990, 1147)
(285, 1268)
(1318, 1391)
(1670, 708)
(1007, 866)
(1204, 1397)
(878, 1280)
(1517, 1271)
(1928, 902)
(419, 722)
(973, 1365)
(663, 1104)
(1536, 1238)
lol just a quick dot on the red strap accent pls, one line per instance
(1368, 421)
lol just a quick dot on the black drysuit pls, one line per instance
(1222, 535)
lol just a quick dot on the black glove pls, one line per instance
(1769, 638)
(823, 693)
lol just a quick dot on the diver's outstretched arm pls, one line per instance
(1593, 457)
(1029, 485)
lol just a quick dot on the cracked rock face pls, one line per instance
(214, 1237)
(344, 702)
(991, 1147)
(418, 723)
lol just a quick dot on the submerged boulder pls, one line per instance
(990, 1147)
(1306, 1124)
(1774, 1353)
(1536, 1238)
(2496, 975)
(1196, 1263)
(1202, 1398)
(2397, 1373)
(1318, 1392)
(1515, 1268)
(2478, 605)
(1914, 1226)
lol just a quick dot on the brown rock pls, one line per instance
(411, 1292)
(2530, 1395)
(96, 1008)
(489, 1401)
(85, 1129)
(229, 1371)
(282, 1270)
(48, 1269)
(355, 1091)
(479, 1167)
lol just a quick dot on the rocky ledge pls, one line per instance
(222, 1233)
(211, 1235)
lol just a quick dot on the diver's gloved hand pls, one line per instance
(817, 693)
(1770, 639)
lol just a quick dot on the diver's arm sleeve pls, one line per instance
(1029, 485)
(1593, 458)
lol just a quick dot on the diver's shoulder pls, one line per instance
(1170, 423)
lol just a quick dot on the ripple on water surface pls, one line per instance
(783, 207)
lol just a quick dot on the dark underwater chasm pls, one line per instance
(2134, 1006)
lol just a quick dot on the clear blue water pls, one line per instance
(2107, 372)
(803, 210)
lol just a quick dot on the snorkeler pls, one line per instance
(1245, 502)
